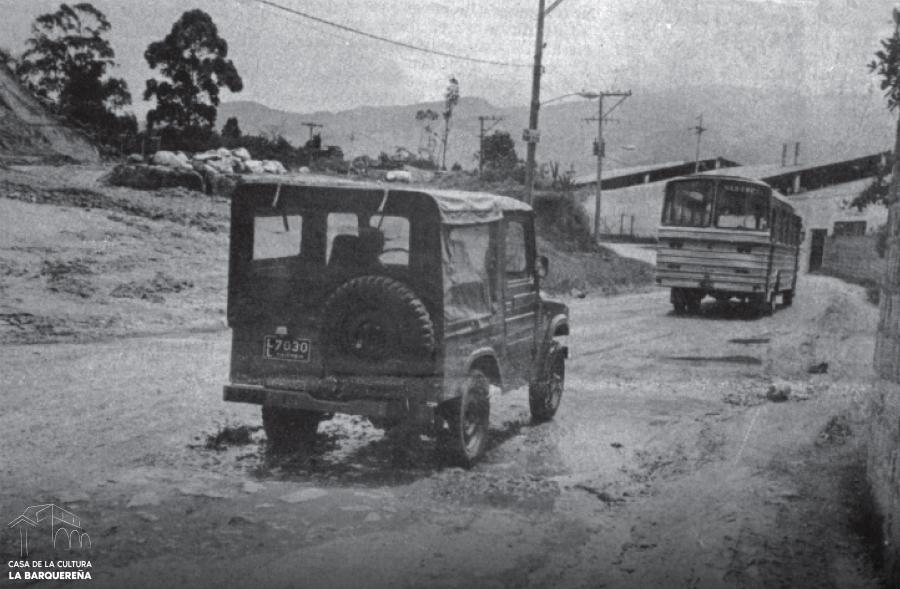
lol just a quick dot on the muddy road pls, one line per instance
(688, 452)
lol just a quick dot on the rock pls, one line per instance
(206, 155)
(398, 176)
(240, 520)
(302, 495)
(73, 497)
(152, 177)
(241, 153)
(779, 392)
(419, 175)
(224, 152)
(251, 487)
(198, 490)
(820, 368)
(170, 159)
(252, 167)
(147, 517)
(225, 165)
(273, 167)
(372, 517)
(135, 158)
(305, 170)
(144, 498)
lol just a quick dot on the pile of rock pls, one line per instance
(213, 171)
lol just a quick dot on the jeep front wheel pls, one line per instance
(545, 391)
(289, 430)
(467, 417)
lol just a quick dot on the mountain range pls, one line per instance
(744, 124)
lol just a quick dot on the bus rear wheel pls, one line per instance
(787, 297)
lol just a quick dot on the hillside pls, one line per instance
(81, 260)
(28, 132)
(744, 124)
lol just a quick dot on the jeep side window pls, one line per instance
(467, 252)
(516, 251)
(396, 238)
(276, 236)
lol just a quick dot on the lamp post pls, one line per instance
(601, 148)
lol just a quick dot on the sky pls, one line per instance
(291, 63)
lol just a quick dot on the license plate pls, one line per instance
(285, 348)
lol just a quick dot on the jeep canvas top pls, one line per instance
(400, 304)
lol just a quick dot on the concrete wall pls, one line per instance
(853, 258)
(633, 211)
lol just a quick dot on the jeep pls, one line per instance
(403, 305)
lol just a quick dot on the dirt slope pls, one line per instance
(28, 132)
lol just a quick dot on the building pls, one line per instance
(821, 193)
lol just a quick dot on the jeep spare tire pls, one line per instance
(376, 325)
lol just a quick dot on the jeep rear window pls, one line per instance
(276, 236)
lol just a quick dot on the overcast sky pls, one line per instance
(288, 62)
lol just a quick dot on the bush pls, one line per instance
(560, 216)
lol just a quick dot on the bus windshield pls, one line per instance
(742, 206)
(688, 203)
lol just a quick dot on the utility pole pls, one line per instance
(481, 121)
(531, 134)
(601, 147)
(312, 127)
(698, 129)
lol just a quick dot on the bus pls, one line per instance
(727, 237)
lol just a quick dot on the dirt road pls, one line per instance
(688, 452)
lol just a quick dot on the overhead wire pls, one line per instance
(388, 40)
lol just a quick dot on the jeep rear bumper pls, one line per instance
(387, 398)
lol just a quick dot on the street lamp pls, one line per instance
(600, 148)
(583, 94)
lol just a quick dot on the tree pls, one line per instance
(887, 65)
(66, 64)
(231, 130)
(451, 99)
(428, 140)
(194, 59)
(499, 151)
(878, 191)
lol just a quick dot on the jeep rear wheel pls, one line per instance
(289, 430)
(376, 325)
(467, 417)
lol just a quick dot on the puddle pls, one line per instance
(727, 359)
(749, 340)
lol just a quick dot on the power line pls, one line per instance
(390, 41)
